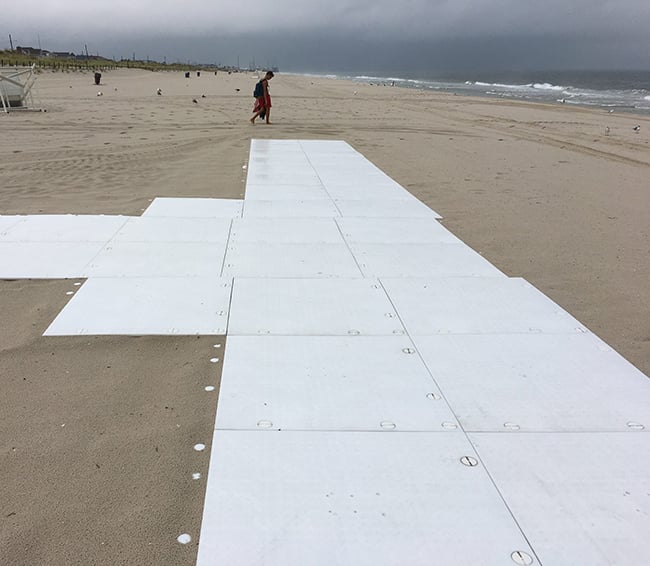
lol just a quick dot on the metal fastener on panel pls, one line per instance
(408, 350)
(635, 426)
(469, 461)
(521, 557)
(511, 426)
(433, 396)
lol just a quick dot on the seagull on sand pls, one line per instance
(195, 101)
(637, 128)
(159, 92)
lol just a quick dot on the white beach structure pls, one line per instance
(16, 84)
(388, 396)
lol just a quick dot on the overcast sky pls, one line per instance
(354, 35)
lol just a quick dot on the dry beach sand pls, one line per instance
(96, 433)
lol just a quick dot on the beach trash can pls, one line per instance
(98, 78)
(187, 75)
(198, 73)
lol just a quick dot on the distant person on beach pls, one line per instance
(262, 106)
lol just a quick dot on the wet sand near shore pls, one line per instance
(543, 192)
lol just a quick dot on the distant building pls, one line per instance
(33, 51)
(62, 55)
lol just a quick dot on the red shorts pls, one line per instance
(262, 103)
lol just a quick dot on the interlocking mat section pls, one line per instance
(388, 396)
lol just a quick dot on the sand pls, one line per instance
(543, 192)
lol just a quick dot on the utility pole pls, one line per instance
(86, 50)
(11, 42)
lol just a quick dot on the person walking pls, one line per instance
(262, 106)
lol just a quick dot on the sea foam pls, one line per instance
(547, 86)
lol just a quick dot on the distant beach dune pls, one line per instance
(97, 460)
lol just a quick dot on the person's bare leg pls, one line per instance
(268, 115)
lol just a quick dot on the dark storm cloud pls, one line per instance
(303, 32)
(415, 18)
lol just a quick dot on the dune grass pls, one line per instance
(15, 59)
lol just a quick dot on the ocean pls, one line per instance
(611, 90)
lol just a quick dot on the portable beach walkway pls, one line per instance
(388, 396)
